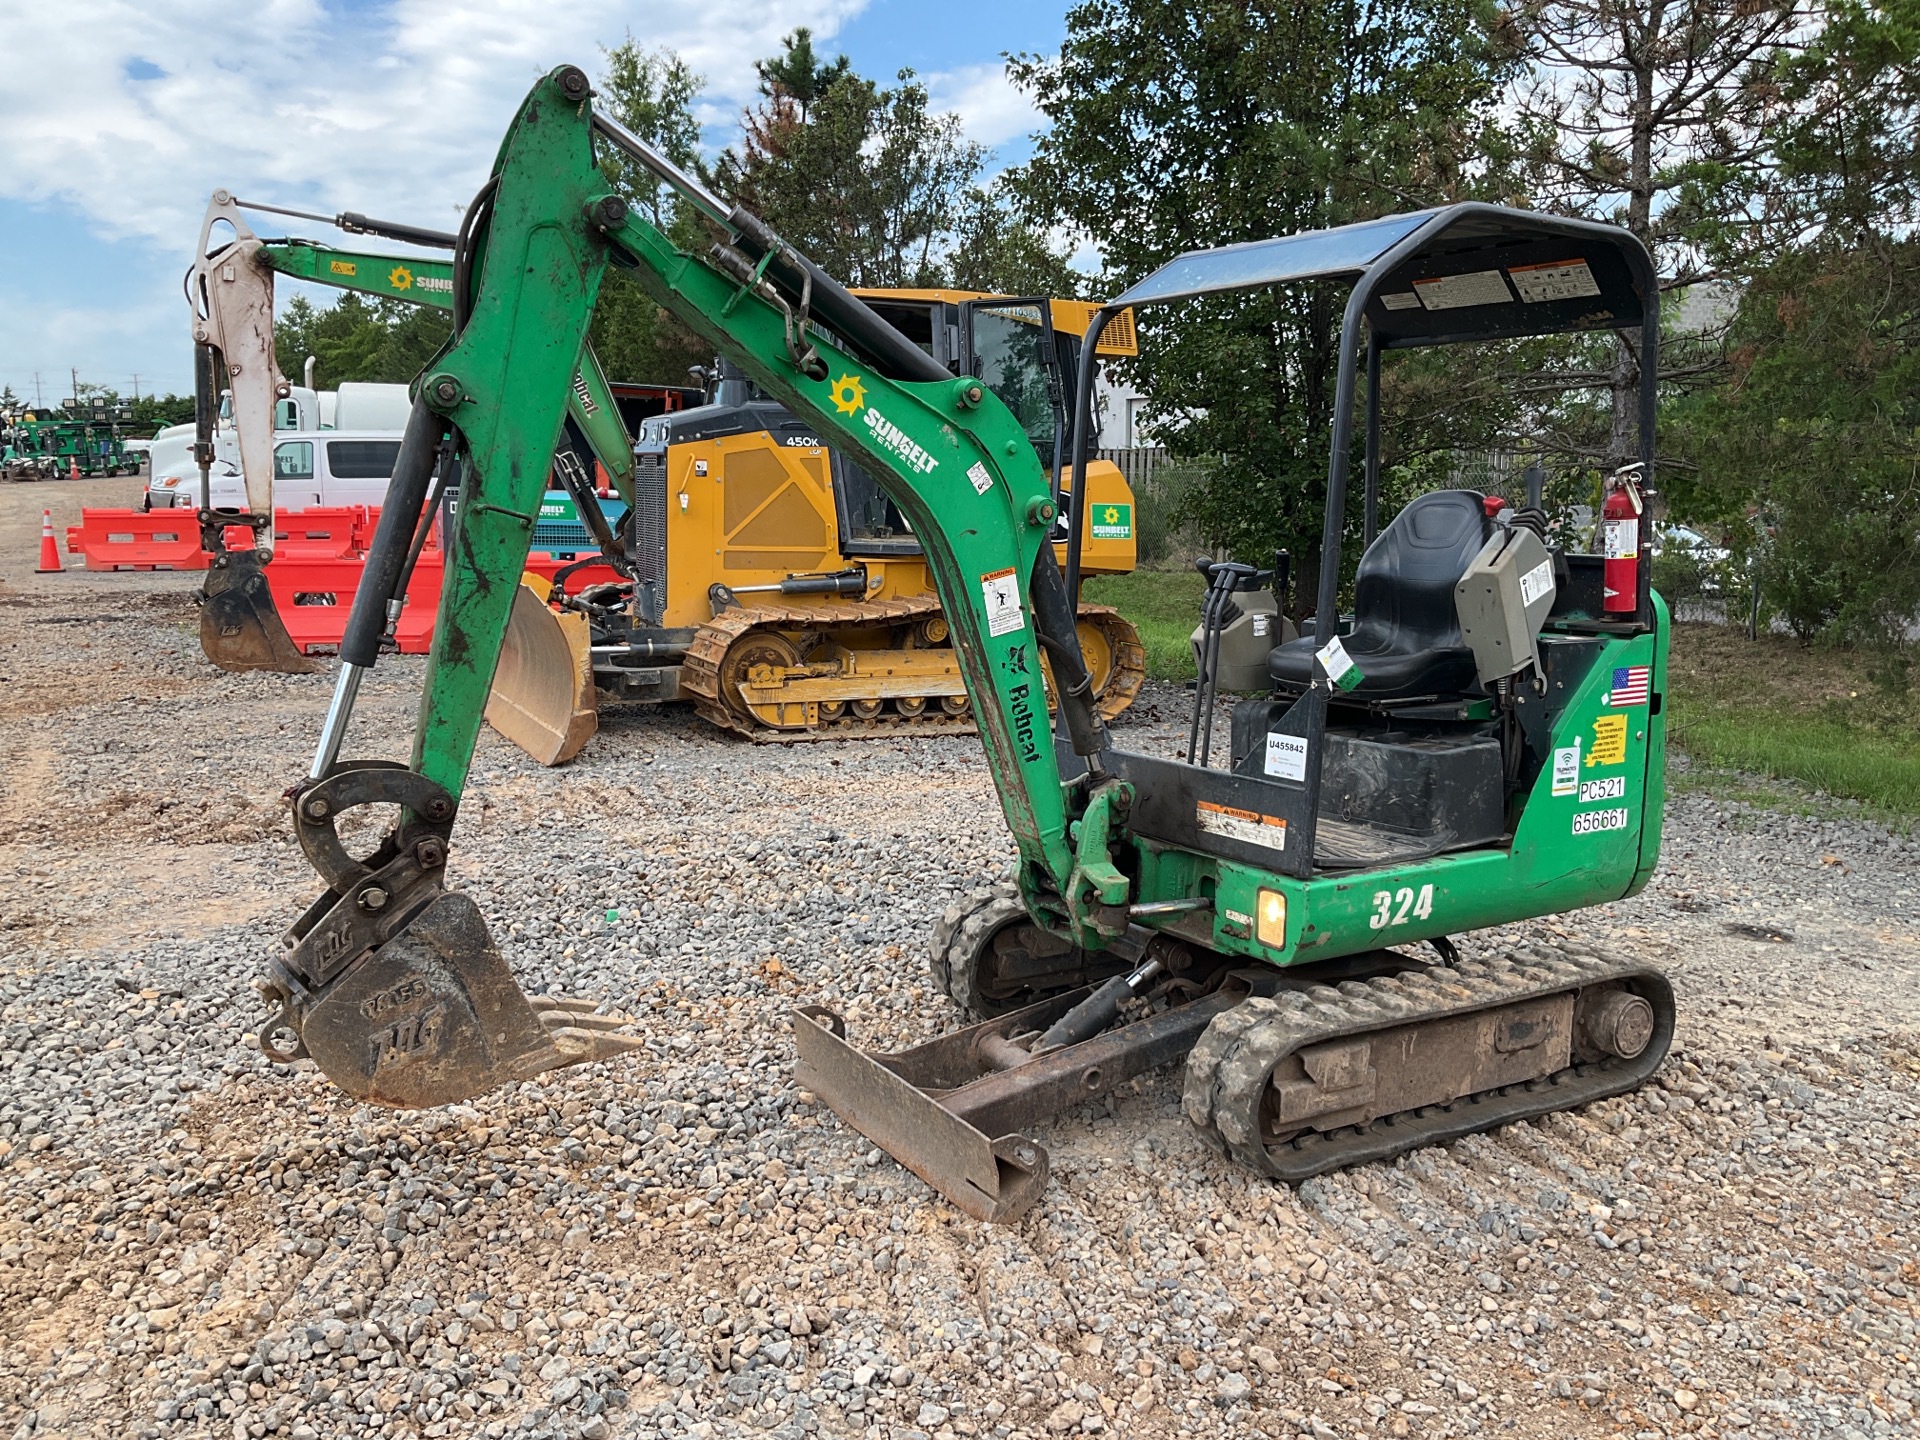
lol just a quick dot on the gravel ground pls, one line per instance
(196, 1242)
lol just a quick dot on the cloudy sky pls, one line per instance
(119, 117)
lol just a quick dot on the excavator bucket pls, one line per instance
(390, 983)
(239, 627)
(434, 1017)
(543, 697)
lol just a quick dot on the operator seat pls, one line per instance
(1406, 635)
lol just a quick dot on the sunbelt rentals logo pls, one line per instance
(1113, 522)
(849, 397)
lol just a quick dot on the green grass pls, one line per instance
(1164, 606)
(1775, 709)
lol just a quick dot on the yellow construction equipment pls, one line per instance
(772, 583)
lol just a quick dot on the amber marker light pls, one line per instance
(1271, 925)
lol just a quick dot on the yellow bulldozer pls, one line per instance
(768, 579)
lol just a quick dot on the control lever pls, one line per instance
(1217, 611)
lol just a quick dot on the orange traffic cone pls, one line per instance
(49, 551)
(73, 467)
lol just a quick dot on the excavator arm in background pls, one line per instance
(390, 981)
(230, 292)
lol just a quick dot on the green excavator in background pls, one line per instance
(1481, 742)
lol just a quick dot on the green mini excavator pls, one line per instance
(1479, 742)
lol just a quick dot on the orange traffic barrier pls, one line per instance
(49, 551)
(321, 533)
(133, 540)
(73, 467)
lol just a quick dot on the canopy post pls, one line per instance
(1373, 437)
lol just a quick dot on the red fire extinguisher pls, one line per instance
(1620, 540)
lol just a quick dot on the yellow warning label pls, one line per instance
(342, 267)
(1609, 741)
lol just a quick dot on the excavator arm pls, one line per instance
(390, 981)
(230, 291)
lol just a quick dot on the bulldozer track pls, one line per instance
(1229, 1070)
(702, 676)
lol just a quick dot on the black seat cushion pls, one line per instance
(1406, 635)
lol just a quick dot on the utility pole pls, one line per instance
(136, 387)
(36, 392)
(75, 372)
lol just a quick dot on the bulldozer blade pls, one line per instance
(543, 698)
(240, 629)
(996, 1179)
(434, 1017)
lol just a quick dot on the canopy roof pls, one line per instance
(1462, 272)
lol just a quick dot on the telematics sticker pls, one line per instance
(1559, 280)
(1286, 756)
(982, 481)
(1592, 822)
(1001, 590)
(1401, 300)
(1249, 827)
(1613, 787)
(1566, 769)
(1536, 582)
(1456, 292)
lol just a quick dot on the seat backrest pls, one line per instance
(1406, 578)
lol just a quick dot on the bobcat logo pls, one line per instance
(1016, 661)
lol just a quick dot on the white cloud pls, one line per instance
(395, 113)
(991, 110)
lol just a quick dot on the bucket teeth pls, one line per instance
(433, 1016)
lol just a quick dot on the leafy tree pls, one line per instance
(1821, 423)
(357, 339)
(864, 180)
(1180, 124)
(1655, 114)
(1812, 445)
(991, 248)
(652, 93)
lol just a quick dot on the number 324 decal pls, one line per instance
(1396, 907)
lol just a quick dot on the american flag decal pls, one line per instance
(1630, 685)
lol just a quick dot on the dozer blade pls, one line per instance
(239, 627)
(433, 1016)
(543, 697)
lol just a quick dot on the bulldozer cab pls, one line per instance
(1460, 706)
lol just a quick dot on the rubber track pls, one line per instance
(963, 933)
(1228, 1070)
(700, 676)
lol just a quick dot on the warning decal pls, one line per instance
(1001, 591)
(1456, 292)
(1559, 280)
(1249, 827)
(1536, 582)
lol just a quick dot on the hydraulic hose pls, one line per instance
(393, 537)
